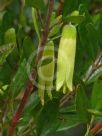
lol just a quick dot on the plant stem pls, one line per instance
(60, 8)
(89, 126)
(20, 108)
(95, 66)
(45, 32)
(29, 87)
(97, 128)
(66, 98)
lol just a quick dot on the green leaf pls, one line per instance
(55, 28)
(5, 50)
(36, 3)
(28, 47)
(91, 39)
(95, 112)
(53, 17)
(69, 6)
(90, 76)
(68, 118)
(34, 16)
(68, 121)
(5, 73)
(46, 122)
(75, 19)
(20, 79)
(82, 104)
(10, 42)
(32, 104)
(7, 21)
(96, 99)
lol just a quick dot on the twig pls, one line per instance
(95, 66)
(45, 32)
(54, 38)
(29, 87)
(59, 22)
(97, 128)
(60, 8)
(89, 125)
(66, 98)
(20, 108)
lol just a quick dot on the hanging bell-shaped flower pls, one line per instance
(46, 72)
(66, 59)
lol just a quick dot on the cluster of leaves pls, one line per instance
(19, 39)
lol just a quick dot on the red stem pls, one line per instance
(60, 8)
(20, 108)
(29, 87)
(97, 128)
(45, 32)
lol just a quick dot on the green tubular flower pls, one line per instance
(66, 58)
(46, 72)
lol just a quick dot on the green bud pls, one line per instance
(10, 36)
(57, 27)
(46, 72)
(75, 13)
(66, 58)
